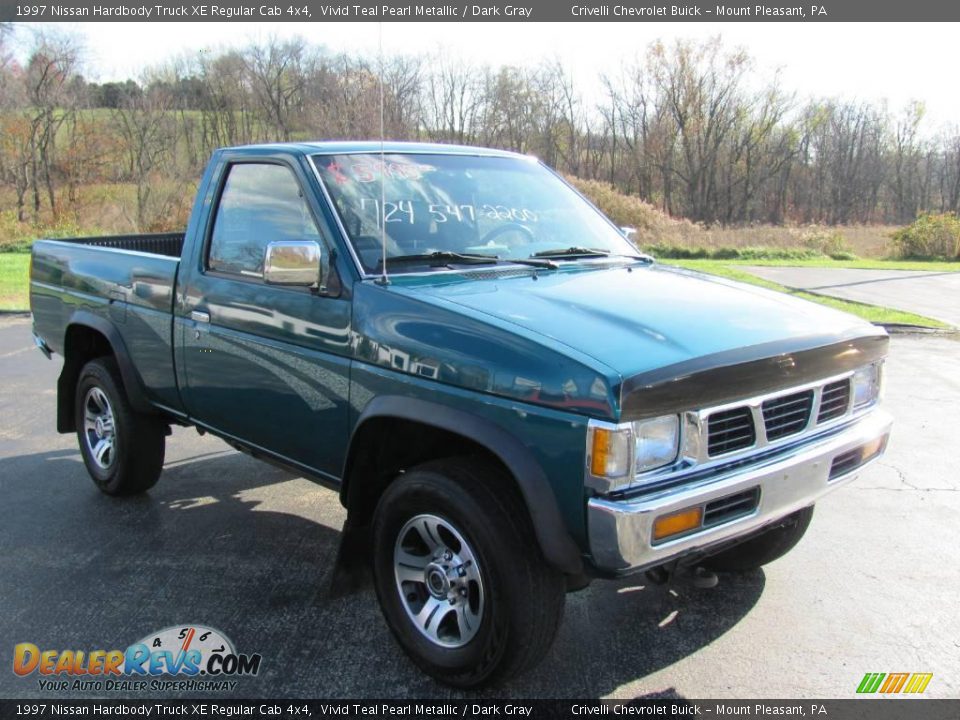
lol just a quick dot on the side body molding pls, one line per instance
(557, 546)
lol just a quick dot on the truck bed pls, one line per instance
(127, 280)
(169, 244)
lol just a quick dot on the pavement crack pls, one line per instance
(906, 489)
(907, 486)
(900, 474)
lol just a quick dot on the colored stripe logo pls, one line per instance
(893, 683)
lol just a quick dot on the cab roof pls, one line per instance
(342, 147)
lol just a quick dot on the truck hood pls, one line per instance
(641, 318)
(656, 324)
(616, 342)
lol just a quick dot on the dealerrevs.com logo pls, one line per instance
(199, 657)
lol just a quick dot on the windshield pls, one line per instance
(439, 205)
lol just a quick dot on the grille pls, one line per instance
(730, 430)
(834, 401)
(497, 274)
(730, 507)
(788, 415)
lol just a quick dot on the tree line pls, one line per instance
(691, 127)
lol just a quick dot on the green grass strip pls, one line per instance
(14, 281)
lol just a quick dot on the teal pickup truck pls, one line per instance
(508, 396)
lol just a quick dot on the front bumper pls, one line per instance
(621, 531)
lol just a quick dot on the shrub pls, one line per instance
(826, 241)
(653, 225)
(16, 236)
(929, 237)
(778, 253)
(679, 252)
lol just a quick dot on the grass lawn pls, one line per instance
(14, 281)
(873, 313)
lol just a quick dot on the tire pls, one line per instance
(765, 548)
(122, 450)
(507, 602)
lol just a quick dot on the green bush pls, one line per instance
(13, 234)
(679, 252)
(727, 253)
(16, 236)
(777, 253)
(826, 241)
(929, 237)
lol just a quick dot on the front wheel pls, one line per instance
(459, 574)
(123, 450)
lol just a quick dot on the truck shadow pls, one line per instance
(245, 548)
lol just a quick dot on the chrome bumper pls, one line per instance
(621, 532)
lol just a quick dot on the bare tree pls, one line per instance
(51, 101)
(906, 166)
(146, 124)
(277, 73)
(452, 100)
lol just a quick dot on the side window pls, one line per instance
(260, 203)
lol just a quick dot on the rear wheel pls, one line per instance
(122, 450)
(459, 574)
(764, 548)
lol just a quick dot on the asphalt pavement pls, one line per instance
(237, 545)
(933, 294)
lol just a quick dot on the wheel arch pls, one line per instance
(367, 474)
(88, 336)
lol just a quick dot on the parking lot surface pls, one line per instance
(934, 294)
(235, 544)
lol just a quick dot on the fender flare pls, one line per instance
(132, 383)
(558, 547)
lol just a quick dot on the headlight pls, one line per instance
(866, 385)
(616, 453)
(656, 442)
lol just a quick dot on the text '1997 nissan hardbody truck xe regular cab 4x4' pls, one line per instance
(509, 397)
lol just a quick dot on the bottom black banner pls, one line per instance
(859, 709)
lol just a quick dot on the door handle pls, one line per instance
(199, 316)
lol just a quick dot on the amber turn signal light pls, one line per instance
(677, 523)
(601, 451)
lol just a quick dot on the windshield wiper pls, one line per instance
(533, 262)
(441, 258)
(572, 253)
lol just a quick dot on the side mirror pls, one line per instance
(630, 233)
(293, 262)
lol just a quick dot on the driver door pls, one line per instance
(266, 364)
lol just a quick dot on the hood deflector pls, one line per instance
(737, 374)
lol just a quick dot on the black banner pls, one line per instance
(486, 11)
(854, 709)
